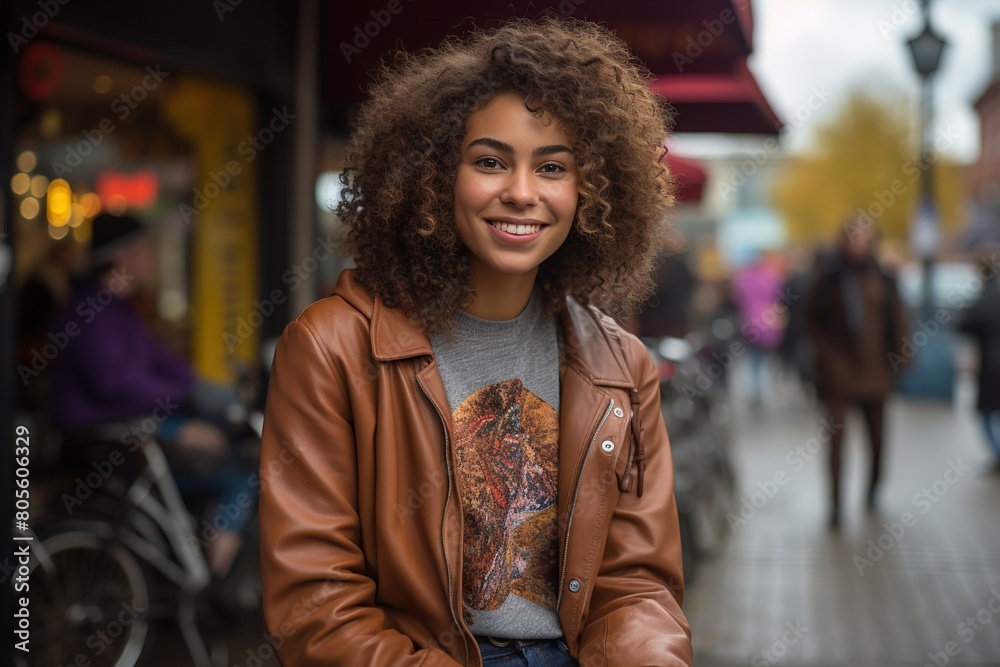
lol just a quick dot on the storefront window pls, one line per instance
(96, 135)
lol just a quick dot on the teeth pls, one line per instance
(519, 230)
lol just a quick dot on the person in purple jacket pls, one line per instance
(114, 370)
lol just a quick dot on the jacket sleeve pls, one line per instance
(319, 603)
(635, 611)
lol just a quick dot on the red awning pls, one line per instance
(667, 36)
(730, 103)
(698, 49)
(690, 177)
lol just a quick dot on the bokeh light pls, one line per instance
(91, 204)
(117, 204)
(20, 183)
(77, 215)
(39, 185)
(26, 161)
(29, 208)
(59, 203)
(102, 84)
(50, 123)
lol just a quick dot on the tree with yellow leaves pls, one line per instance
(866, 162)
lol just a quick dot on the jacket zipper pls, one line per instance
(444, 519)
(576, 493)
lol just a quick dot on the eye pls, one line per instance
(552, 168)
(488, 163)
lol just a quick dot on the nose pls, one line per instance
(520, 189)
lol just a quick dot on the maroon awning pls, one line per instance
(694, 48)
(690, 177)
(730, 103)
(668, 36)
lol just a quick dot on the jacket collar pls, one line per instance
(589, 337)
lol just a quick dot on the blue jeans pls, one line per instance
(526, 653)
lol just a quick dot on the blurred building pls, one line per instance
(183, 117)
(986, 173)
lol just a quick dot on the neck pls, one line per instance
(500, 296)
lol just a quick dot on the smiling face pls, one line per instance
(515, 190)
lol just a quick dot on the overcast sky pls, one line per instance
(836, 46)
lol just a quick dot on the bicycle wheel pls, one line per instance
(89, 597)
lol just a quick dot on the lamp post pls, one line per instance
(926, 49)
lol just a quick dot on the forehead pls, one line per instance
(506, 115)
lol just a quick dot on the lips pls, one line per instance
(516, 226)
(519, 230)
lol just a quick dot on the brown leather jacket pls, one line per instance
(360, 517)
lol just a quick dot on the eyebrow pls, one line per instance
(503, 146)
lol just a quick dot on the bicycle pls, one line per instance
(106, 574)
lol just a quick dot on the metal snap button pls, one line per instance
(619, 412)
(608, 446)
(574, 585)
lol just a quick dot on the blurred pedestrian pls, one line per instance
(795, 350)
(113, 370)
(982, 320)
(855, 320)
(475, 468)
(668, 312)
(756, 289)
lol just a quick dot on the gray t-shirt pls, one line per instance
(502, 382)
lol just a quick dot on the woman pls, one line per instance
(464, 459)
(856, 325)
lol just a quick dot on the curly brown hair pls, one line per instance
(398, 199)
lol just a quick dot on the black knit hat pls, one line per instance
(110, 234)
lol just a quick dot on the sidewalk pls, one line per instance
(917, 583)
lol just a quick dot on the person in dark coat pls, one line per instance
(113, 370)
(855, 322)
(982, 320)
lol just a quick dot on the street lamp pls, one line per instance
(926, 49)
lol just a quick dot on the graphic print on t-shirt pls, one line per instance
(507, 442)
